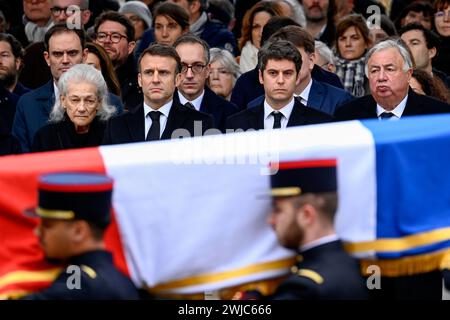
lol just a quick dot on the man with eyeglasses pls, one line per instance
(160, 116)
(67, 10)
(192, 91)
(64, 48)
(115, 33)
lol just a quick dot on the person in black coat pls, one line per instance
(304, 206)
(248, 87)
(78, 118)
(192, 89)
(389, 68)
(279, 63)
(75, 212)
(160, 116)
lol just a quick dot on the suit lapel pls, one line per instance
(136, 124)
(413, 107)
(256, 117)
(47, 96)
(316, 95)
(297, 117)
(175, 119)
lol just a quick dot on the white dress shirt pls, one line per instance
(285, 111)
(196, 103)
(165, 109)
(398, 110)
(56, 91)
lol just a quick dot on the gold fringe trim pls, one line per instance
(409, 265)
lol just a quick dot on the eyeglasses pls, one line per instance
(114, 37)
(196, 67)
(56, 11)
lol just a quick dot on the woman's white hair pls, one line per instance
(391, 43)
(83, 73)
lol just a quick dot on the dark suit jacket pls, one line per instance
(366, 107)
(33, 110)
(130, 126)
(219, 108)
(253, 118)
(325, 272)
(248, 88)
(322, 97)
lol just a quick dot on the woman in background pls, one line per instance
(99, 59)
(252, 25)
(352, 42)
(224, 72)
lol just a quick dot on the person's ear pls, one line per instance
(432, 52)
(47, 58)
(84, 55)
(80, 231)
(139, 79)
(131, 46)
(63, 101)
(261, 77)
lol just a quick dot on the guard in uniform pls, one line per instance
(304, 205)
(75, 211)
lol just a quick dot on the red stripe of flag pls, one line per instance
(305, 164)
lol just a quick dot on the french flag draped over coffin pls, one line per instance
(191, 214)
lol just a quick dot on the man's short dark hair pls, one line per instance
(161, 50)
(61, 28)
(173, 11)
(273, 25)
(297, 35)
(116, 17)
(191, 38)
(279, 50)
(16, 46)
(326, 203)
(431, 38)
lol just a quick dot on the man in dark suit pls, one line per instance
(312, 93)
(248, 87)
(160, 116)
(75, 212)
(279, 65)
(194, 55)
(304, 206)
(65, 47)
(389, 67)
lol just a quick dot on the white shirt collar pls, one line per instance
(398, 110)
(55, 90)
(318, 242)
(285, 111)
(165, 109)
(305, 93)
(196, 103)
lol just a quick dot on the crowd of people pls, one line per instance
(80, 73)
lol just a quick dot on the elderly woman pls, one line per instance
(223, 72)
(78, 118)
(352, 42)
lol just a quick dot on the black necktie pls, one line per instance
(154, 132)
(189, 105)
(277, 119)
(386, 115)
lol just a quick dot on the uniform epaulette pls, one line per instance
(89, 271)
(308, 273)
